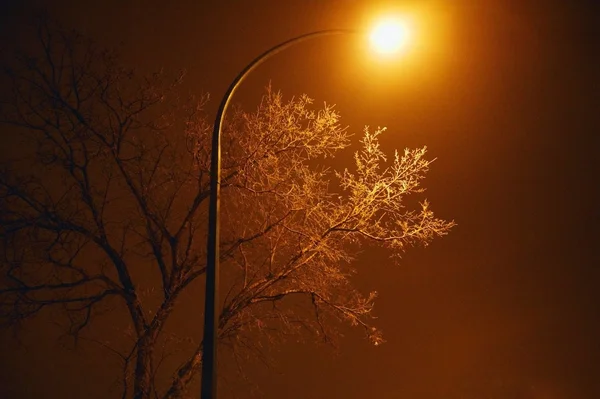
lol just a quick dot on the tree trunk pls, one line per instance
(142, 386)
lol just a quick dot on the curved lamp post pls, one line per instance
(384, 35)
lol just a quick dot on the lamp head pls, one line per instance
(389, 36)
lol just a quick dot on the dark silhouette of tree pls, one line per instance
(109, 189)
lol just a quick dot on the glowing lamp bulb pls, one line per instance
(389, 36)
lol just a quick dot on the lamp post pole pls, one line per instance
(209, 347)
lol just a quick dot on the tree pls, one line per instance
(105, 207)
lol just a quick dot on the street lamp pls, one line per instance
(387, 37)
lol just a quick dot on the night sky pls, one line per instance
(506, 96)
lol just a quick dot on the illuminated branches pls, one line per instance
(105, 206)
